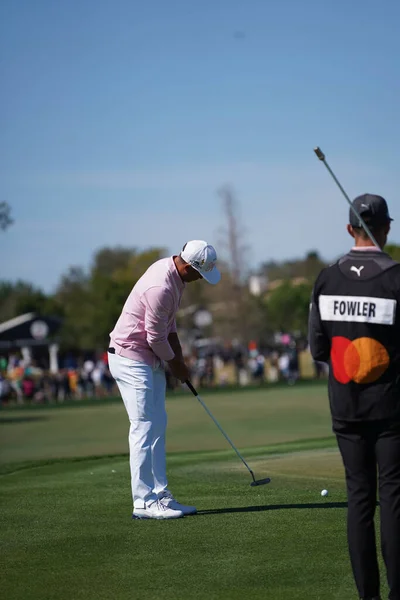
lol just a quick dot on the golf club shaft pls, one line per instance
(195, 394)
(321, 157)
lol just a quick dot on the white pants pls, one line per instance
(143, 391)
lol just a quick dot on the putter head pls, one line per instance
(260, 482)
(319, 153)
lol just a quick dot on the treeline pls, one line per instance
(89, 301)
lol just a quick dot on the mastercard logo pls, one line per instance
(363, 360)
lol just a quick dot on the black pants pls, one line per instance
(369, 450)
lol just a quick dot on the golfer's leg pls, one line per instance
(388, 455)
(359, 461)
(135, 383)
(159, 429)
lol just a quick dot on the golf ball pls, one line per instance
(324, 493)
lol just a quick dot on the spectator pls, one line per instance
(97, 378)
(259, 368)
(293, 366)
(283, 364)
(28, 387)
(5, 389)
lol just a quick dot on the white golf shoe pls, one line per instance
(156, 510)
(167, 499)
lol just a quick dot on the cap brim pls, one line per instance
(212, 277)
(370, 222)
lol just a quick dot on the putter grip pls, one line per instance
(191, 388)
(319, 153)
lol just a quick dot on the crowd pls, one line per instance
(89, 377)
(249, 365)
(22, 382)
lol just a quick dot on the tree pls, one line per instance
(21, 297)
(288, 307)
(5, 216)
(233, 321)
(73, 296)
(225, 301)
(232, 236)
(110, 290)
(109, 260)
(394, 251)
(92, 302)
(308, 267)
(311, 266)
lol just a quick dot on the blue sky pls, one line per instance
(121, 119)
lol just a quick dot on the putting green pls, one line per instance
(66, 531)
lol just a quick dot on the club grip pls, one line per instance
(319, 153)
(191, 388)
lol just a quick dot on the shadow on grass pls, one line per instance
(13, 420)
(245, 509)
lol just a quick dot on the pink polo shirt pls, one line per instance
(148, 316)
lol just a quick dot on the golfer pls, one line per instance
(355, 326)
(143, 341)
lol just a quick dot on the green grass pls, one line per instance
(66, 532)
(255, 418)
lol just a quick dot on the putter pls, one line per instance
(321, 156)
(255, 482)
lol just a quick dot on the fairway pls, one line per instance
(253, 418)
(66, 531)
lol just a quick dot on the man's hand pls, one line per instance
(179, 369)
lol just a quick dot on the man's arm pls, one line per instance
(177, 365)
(320, 345)
(159, 306)
(175, 344)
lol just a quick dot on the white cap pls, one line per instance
(202, 257)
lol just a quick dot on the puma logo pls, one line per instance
(357, 270)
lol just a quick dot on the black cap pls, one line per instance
(373, 209)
